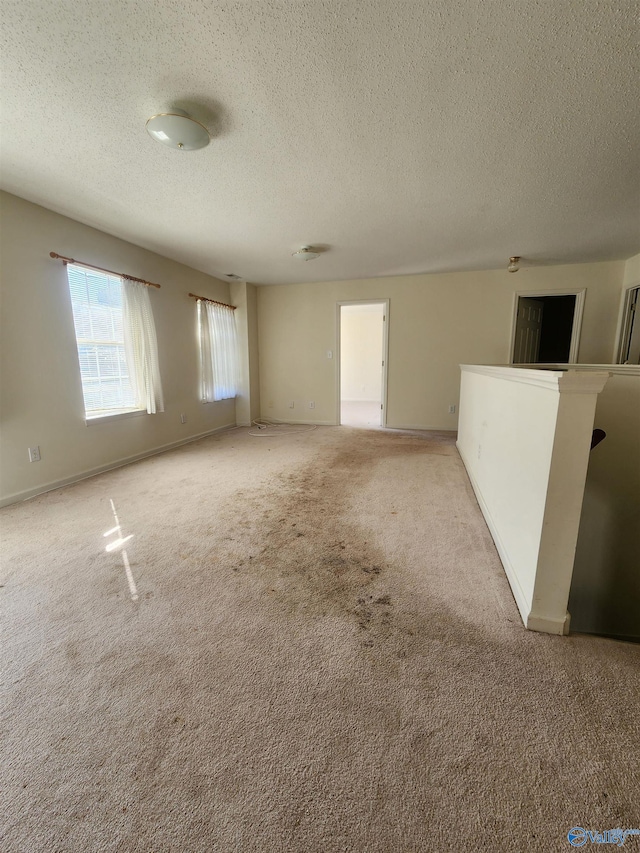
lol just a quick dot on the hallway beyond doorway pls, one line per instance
(362, 346)
(360, 413)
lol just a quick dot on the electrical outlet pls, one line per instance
(291, 404)
(452, 410)
(329, 353)
(479, 451)
(34, 454)
(183, 419)
(312, 405)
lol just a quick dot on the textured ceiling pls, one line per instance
(402, 135)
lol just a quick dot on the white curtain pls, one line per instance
(218, 351)
(141, 346)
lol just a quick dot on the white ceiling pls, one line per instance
(404, 136)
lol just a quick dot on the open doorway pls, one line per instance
(362, 363)
(546, 328)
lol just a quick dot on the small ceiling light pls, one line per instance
(514, 264)
(178, 130)
(306, 253)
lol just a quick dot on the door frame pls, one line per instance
(623, 321)
(578, 311)
(385, 352)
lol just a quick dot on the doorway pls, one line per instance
(546, 328)
(628, 351)
(362, 363)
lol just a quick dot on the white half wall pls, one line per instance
(524, 436)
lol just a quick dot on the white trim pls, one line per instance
(620, 369)
(549, 626)
(578, 311)
(309, 423)
(583, 382)
(514, 373)
(100, 469)
(571, 381)
(622, 312)
(385, 353)
(115, 416)
(424, 428)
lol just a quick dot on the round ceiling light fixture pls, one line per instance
(306, 253)
(178, 130)
(514, 263)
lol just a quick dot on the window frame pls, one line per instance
(97, 416)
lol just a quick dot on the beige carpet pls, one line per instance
(314, 649)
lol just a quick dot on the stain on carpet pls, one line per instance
(308, 541)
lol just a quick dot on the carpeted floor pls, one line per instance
(312, 647)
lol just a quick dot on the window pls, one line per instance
(114, 324)
(218, 351)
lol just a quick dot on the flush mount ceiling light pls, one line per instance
(178, 130)
(514, 263)
(306, 253)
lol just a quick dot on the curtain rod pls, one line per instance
(66, 261)
(215, 301)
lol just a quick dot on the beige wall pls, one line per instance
(632, 271)
(436, 322)
(254, 355)
(243, 296)
(238, 291)
(41, 394)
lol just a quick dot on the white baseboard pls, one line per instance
(532, 621)
(302, 423)
(548, 626)
(109, 466)
(423, 427)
